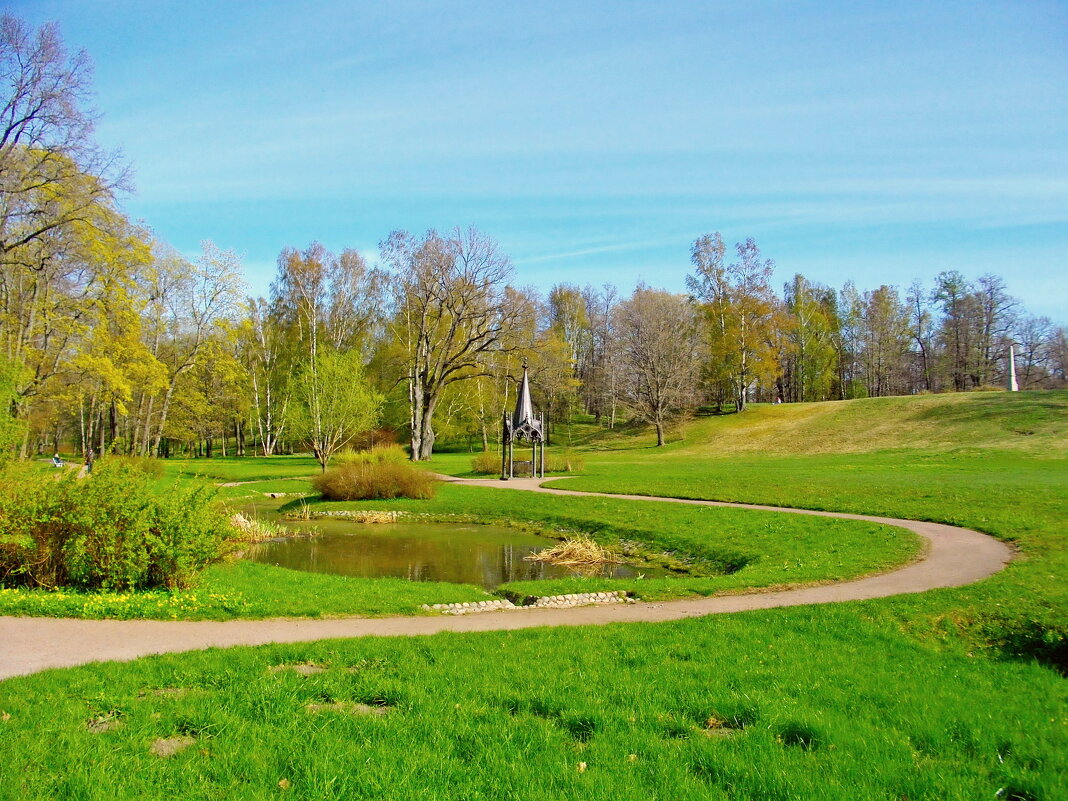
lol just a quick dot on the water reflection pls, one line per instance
(470, 554)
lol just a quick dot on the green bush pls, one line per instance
(107, 531)
(146, 464)
(375, 480)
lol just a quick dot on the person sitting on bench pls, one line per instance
(56, 460)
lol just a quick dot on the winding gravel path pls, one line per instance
(954, 557)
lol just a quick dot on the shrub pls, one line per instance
(375, 480)
(375, 455)
(376, 437)
(146, 464)
(107, 531)
(489, 462)
(563, 462)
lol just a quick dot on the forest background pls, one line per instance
(113, 341)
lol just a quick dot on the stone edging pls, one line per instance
(543, 602)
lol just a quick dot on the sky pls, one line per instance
(869, 142)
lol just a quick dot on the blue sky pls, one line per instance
(869, 142)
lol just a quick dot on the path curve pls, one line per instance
(954, 557)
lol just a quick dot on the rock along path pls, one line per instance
(954, 557)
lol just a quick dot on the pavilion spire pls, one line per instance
(524, 407)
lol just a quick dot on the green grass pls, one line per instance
(815, 703)
(930, 696)
(243, 590)
(1017, 494)
(246, 468)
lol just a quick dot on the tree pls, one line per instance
(885, 341)
(194, 298)
(740, 312)
(52, 174)
(921, 329)
(811, 326)
(452, 313)
(337, 402)
(657, 332)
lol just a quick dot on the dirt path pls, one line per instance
(955, 556)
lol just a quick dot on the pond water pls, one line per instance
(455, 552)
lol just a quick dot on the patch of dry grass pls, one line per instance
(375, 480)
(580, 550)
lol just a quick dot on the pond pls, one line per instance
(456, 552)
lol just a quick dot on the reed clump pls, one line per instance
(375, 481)
(390, 452)
(579, 550)
(253, 529)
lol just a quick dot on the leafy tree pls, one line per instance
(810, 331)
(741, 314)
(336, 402)
(52, 174)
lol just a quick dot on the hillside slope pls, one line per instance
(1029, 422)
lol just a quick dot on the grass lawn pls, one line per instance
(817, 703)
(951, 694)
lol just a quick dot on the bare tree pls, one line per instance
(52, 174)
(658, 338)
(199, 296)
(452, 313)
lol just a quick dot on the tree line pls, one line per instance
(114, 341)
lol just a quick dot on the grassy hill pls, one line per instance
(995, 462)
(1025, 422)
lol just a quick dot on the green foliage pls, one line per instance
(11, 429)
(337, 402)
(108, 531)
(384, 479)
(144, 464)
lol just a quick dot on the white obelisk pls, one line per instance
(1013, 386)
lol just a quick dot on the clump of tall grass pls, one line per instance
(486, 463)
(489, 462)
(375, 480)
(375, 455)
(254, 529)
(579, 550)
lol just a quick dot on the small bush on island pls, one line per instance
(108, 531)
(375, 481)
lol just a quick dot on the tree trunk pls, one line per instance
(426, 431)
